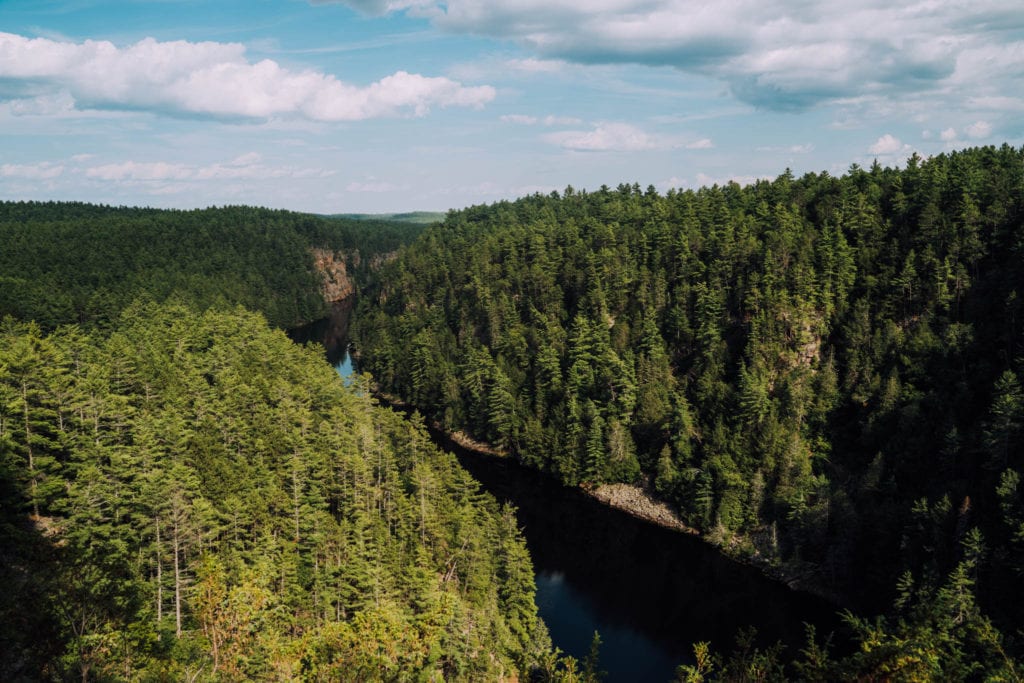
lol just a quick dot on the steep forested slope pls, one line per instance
(194, 497)
(821, 371)
(77, 263)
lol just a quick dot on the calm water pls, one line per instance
(344, 366)
(648, 591)
(572, 617)
(332, 333)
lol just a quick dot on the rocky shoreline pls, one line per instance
(639, 503)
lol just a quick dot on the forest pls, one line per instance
(194, 497)
(80, 263)
(821, 373)
(188, 495)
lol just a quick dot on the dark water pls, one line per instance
(650, 592)
(332, 333)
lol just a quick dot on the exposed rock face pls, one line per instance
(640, 503)
(336, 283)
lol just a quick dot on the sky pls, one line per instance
(374, 106)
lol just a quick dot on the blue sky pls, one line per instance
(395, 105)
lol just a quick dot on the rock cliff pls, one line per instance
(336, 284)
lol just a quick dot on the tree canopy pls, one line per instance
(82, 263)
(821, 373)
(193, 496)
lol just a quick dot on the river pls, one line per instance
(650, 592)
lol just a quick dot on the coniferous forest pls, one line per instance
(822, 375)
(201, 499)
(80, 263)
(188, 495)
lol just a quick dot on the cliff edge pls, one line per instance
(336, 284)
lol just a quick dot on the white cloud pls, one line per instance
(674, 182)
(887, 144)
(41, 171)
(131, 170)
(532, 65)
(53, 104)
(247, 166)
(561, 121)
(610, 136)
(491, 68)
(771, 53)
(519, 118)
(549, 120)
(605, 137)
(247, 159)
(209, 79)
(979, 130)
(976, 131)
(997, 103)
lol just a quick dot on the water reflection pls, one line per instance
(332, 333)
(344, 366)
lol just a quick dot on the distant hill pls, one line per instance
(67, 262)
(418, 217)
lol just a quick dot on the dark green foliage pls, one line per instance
(936, 633)
(192, 495)
(822, 372)
(79, 263)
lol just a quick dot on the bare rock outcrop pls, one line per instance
(336, 284)
(640, 503)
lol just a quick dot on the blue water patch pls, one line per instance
(625, 654)
(344, 367)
